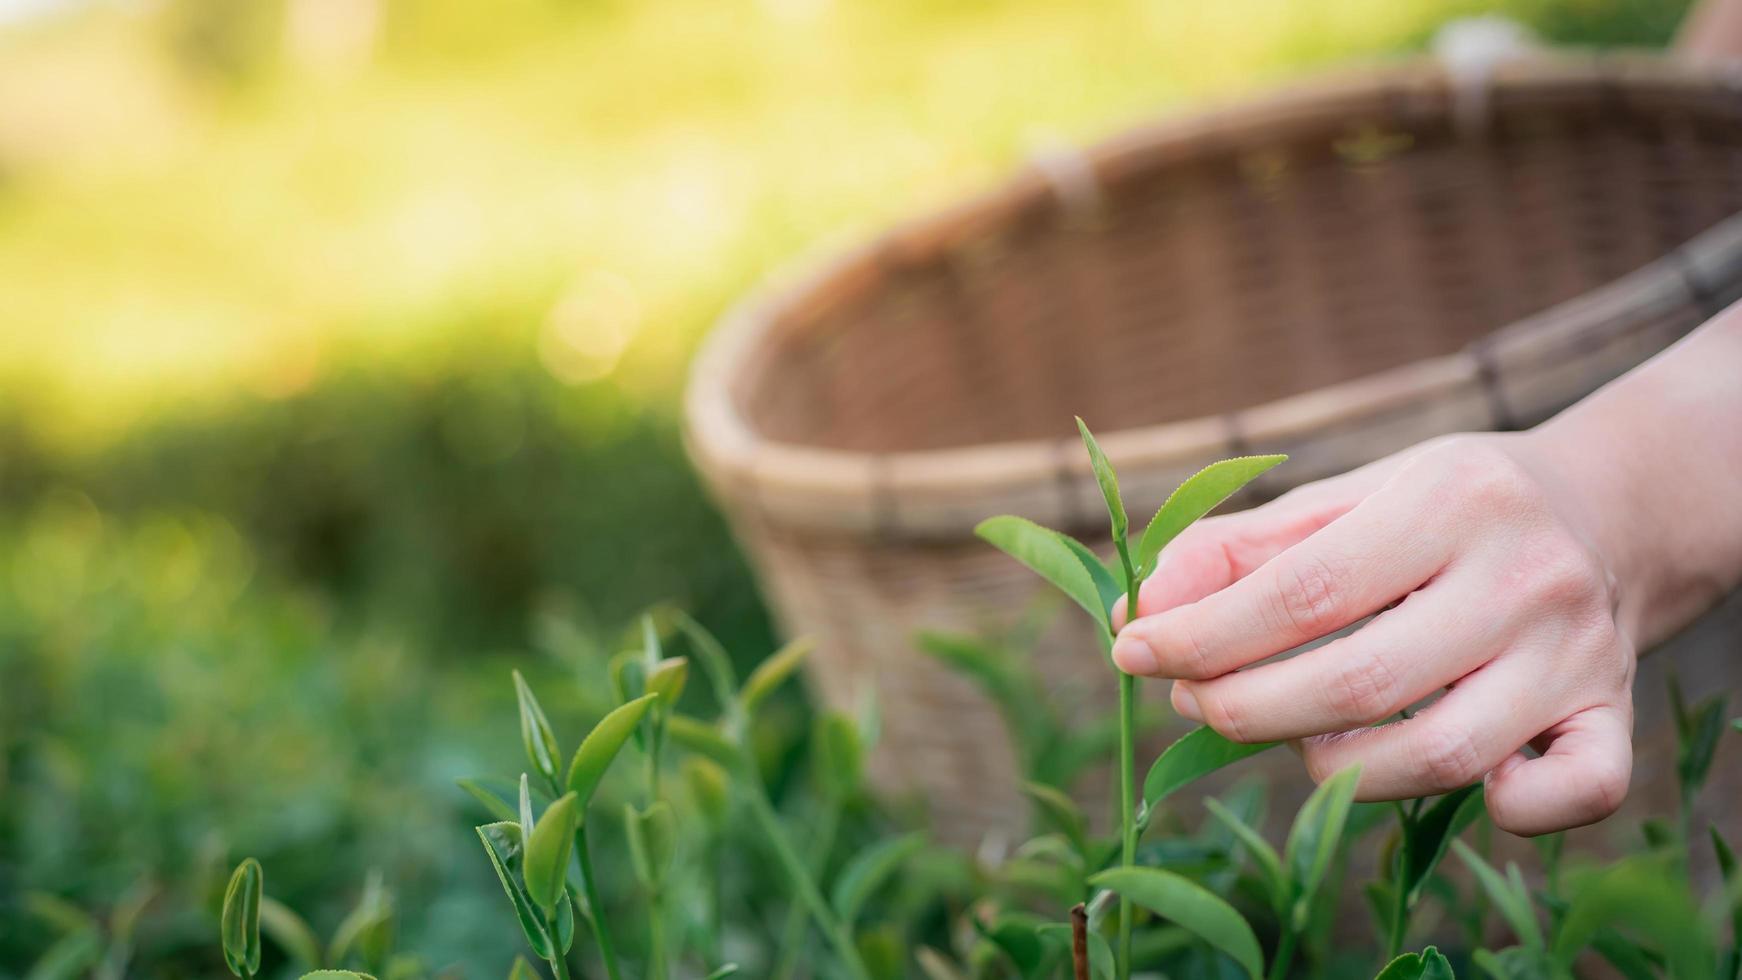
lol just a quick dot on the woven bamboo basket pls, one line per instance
(1335, 272)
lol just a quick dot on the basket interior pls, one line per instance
(1244, 271)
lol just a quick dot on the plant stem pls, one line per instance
(800, 877)
(595, 906)
(657, 969)
(1127, 768)
(1127, 810)
(1284, 955)
(1079, 942)
(559, 961)
(792, 937)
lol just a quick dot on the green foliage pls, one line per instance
(548, 851)
(601, 746)
(1429, 964)
(1191, 906)
(1197, 496)
(1047, 553)
(241, 919)
(1194, 756)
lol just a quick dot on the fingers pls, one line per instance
(1451, 744)
(1406, 654)
(1581, 778)
(1379, 551)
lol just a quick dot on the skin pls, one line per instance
(1518, 573)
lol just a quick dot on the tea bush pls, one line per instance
(671, 778)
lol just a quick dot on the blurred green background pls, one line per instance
(340, 350)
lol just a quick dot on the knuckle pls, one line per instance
(1608, 789)
(1362, 690)
(1226, 719)
(1309, 598)
(1186, 656)
(1449, 757)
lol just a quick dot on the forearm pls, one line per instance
(1654, 462)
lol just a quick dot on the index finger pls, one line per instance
(1381, 550)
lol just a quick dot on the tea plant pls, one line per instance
(1214, 901)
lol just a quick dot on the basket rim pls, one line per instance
(863, 491)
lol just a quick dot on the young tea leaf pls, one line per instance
(240, 923)
(535, 733)
(709, 787)
(1645, 896)
(704, 740)
(1512, 901)
(1315, 836)
(601, 746)
(548, 851)
(1109, 483)
(1429, 964)
(773, 672)
(1106, 583)
(499, 796)
(652, 839)
(1062, 813)
(1192, 907)
(1263, 855)
(1200, 752)
(502, 843)
(290, 932)
(871, 868)
(525, 813)
(1429, 835)
(716, 663)
(1045, 552)
(1196, 497)
(667, 679)
(839, 758)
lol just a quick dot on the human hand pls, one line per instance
(1487, 584)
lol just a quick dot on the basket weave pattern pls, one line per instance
(1335, 273)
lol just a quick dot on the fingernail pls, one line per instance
(1186, 703)
(1133, 655)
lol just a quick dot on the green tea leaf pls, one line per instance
(499, 796)
(1699, 745)
(1045, 552)
(716, 663)
(1646, 896)
(1727, 870)
(525, 814)
(1197, 496)
(838, 758)
(773, 672)
(367, 926)
(1062, 813)
(1263, 855)
(1512, 901)
(1429, 835)
(1624, 955)
(1017, 936)
(502, 843)
(652, 839)
(1197, 754)
(628, 675)
(1429, 964)
(869, 869)
(709, 786)
(601, 746)
(240, 923)
(548, 851)
(1106, 583)
(1315, 836)
(1191, 906)
(290, 932)
(535, 733)
(667, 679)
(704, 740)
(69, 957)
(1109, 482)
